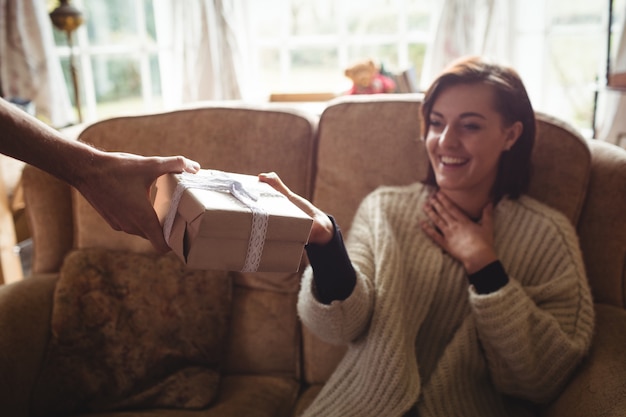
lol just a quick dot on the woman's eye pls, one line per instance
(471, 126)
(436, 124)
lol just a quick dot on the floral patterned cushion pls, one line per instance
(133, 331)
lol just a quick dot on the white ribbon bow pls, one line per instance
(212, 180)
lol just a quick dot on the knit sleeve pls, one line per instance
(341, 320)
(536, 329)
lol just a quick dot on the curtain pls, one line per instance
(467, 27)
(29, 67)
(203, 54)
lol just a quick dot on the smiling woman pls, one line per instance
(446, 294)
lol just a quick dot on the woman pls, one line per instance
(462, 296)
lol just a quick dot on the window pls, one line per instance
(304, 45)
(116, 55)
(575, 57)
(300, 46)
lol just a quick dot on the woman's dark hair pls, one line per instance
(511, 102)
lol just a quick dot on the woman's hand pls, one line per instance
(322, 230)
(471, 243)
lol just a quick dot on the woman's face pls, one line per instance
(466, 138)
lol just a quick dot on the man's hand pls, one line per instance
(118, 187)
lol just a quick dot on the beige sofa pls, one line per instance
(265, 363)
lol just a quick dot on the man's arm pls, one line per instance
(117, 185)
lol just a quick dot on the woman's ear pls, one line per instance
(513, 133)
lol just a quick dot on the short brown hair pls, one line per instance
(512, 103)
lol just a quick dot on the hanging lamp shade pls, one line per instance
(66, 17)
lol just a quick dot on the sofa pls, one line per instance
(106, 327)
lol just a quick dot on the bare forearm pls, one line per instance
(26, 138)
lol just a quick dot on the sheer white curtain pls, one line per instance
(467, 27)
(29, 67)
(203, 56)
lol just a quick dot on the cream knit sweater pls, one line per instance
(417, 333)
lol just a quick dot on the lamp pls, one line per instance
(67, 18)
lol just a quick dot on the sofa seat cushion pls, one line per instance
(599, 386)
(133, 331)
(255, 396)
(306, 398)
(25, 308)
(240, 395)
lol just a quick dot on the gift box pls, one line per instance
(228, 221)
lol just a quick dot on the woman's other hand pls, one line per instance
(470, 242)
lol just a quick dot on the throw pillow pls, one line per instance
(133, 331)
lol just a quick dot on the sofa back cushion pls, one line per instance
(235, 138)
(367, 141)
(49, 211)
(562, 163)
(561, 166)
(364, 142)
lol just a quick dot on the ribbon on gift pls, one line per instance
(212, 180)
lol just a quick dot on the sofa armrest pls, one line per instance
(599, 386)
(25, 311)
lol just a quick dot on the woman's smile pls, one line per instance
(452, 161)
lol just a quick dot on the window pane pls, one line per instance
(418, 14)
(417, 52)
(314, 69)
(387, 55)
(155, 72)
(313, 17)
(148, 7)
(111, 22)
(570, 80)
(619, 18)
(60, 38)
(115, 78)
(117, 85)
(266, 17)
(372, 17)
(576, 11)
(576, 28)
(67, 74)
(269, 74)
